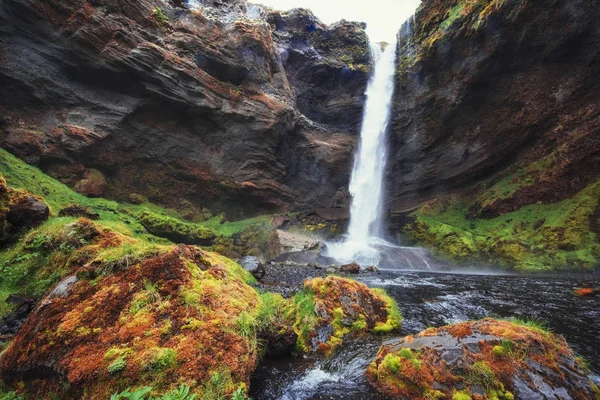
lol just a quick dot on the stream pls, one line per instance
(436, 299)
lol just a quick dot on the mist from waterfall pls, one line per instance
(366, 183)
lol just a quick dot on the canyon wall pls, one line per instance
(231, 107)
(497, 104)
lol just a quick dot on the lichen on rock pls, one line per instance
(331, 310)
(487, 359)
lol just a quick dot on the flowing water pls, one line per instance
(436, 299)
(366, 183)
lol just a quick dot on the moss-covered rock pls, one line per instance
(487, 359)
(534, 237)
(19, 211)
(330, 310)
(174, 229)
(180, 313)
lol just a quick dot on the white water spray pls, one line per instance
(366, 183)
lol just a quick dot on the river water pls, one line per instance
(436, 299)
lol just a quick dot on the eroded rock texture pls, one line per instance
(487, 87)
(232, 107)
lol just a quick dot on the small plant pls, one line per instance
(117, 365)
(160, 16)
(137, 394)
(162, 358)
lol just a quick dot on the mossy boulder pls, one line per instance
(180, 316)
(488, 359)
(19, 211)
(93, 184)
(174, 229)
(329, 311)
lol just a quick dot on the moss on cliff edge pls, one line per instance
(533, 238)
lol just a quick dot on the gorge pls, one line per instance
(215, 199)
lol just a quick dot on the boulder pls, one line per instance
(352, 268)
(330, 310)
(253, 265)
(19, 211)
(486, 359)
(93, 184)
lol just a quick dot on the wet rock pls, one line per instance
(23, 305)
(343, 308)
(490, 358)
(253, 265)
(76, 210)
(280, 338)
(371, 268)
(352, 268)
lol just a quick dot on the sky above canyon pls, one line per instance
(383, 17)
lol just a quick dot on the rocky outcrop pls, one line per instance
(330, 310)
(19, 211)
(212, 106)
(485, 88)
(487, 359)
(496, 104)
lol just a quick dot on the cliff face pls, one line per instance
(483, 85)
(497, 103)
(213, 107)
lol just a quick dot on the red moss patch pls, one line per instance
(492, 357)
(169, 319)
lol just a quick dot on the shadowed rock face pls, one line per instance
(179, 105)
(484, 87)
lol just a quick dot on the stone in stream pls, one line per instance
(352, 268)
(486, 359)
(253, 265)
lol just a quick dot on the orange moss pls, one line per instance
(585, 292)
(409, 368)
(127, 329)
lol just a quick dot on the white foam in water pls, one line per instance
(309, 383)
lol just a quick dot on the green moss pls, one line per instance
(392, 363)
(535, 237)
(453, 15)
(161, 358)
(301, 310)
(394, 319)
(462, 395)
(117, 365)
(160, 16)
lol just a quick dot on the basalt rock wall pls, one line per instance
(228, 106)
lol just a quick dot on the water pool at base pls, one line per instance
(437, 299)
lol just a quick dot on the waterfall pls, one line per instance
(366, 183)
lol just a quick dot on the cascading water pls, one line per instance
(366, 184)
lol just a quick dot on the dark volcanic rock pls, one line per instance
(201, 106)
(484, 90)
(254, 266)
(352, 268)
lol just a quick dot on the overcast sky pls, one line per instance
(383, 17)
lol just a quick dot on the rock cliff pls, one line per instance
(497, 125)
(228, 106)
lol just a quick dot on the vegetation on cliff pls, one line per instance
(534, 237)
